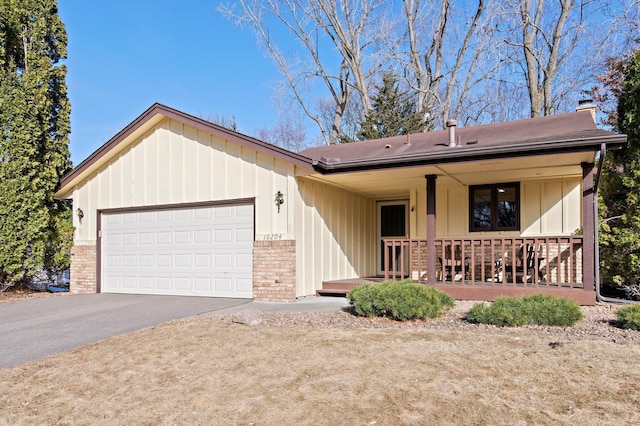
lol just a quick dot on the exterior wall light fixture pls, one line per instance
(80, 214)
(279, 200)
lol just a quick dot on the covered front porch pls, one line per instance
(485, 265)
(503, 208)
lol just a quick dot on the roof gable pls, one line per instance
(147, 120)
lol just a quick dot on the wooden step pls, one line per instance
(325, 292)
(342, 287)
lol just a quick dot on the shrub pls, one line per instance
(399, 300)
(529, 310)
(629, 317)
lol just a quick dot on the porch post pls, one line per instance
(588, 228)
(431, 228)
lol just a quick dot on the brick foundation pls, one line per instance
(274, 271)
(83, 269)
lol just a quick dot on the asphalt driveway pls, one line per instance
(32, 329)
(35, 328)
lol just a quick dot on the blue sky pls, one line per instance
(124, 55)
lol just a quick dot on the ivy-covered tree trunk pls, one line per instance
(620, 189)
(35, 229)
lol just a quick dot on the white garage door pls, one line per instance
(203, 251)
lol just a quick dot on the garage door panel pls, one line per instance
(112, 240)
(146, 261)
(129, 239)
(222, 236)
(112, 219)
(223, 260)
(204, 251)
(112, 282)
(202, 237)
(223, 212)
(182, 261)
(145, 217)
(163, 216)
(145, 239)
(202, 215)
(112, 261)
(182, 215)
(164, 238)
(182, 237)
(146, 283)
(223, 284)
(244, 235)
(244, 284)
(164, 261)
(130, 218)
(129, 261)
(245, 211)
(244, 261)
(202, 261)
(129, 282)
(203, 284)
(183, 283)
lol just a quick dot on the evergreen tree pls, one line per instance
(35, 229)
(620, 185)
(392, 112)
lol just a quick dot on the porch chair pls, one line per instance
(525, 267)
(528, 268)
(453, 267)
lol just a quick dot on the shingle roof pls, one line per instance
(559, 133)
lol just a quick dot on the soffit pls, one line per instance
(388, 183)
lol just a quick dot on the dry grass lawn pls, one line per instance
(209, 370)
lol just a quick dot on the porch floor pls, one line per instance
(486, 291)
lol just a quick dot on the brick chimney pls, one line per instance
(587, 105)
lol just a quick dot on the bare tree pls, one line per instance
(477, 61)
(629, 19)
(347, 29)
(542, 51)
(221, 120)
(554, 44)
(288, 133)
(446, 53)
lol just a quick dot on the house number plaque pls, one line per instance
(272, 237)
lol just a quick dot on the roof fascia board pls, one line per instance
(456, 155)
(239, 138)
(107, 151)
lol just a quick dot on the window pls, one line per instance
(494, 207)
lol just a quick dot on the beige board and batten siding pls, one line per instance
(335, 232)
(549, 207)
(174, 163)
(552, 207)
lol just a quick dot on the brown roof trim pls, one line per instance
(462, 154)
(159, 109)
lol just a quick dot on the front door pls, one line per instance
(393, 221)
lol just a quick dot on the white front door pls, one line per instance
(393, 222)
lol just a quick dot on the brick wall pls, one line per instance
(274, 271)
(83, 269)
